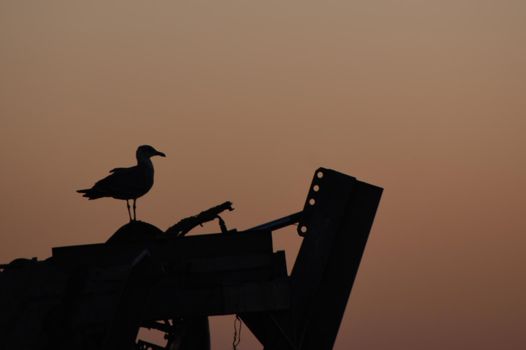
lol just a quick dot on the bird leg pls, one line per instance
(134, 214)
(128, 206)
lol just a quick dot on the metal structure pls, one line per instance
(98, 296)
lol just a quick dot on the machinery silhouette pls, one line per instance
(98, 296)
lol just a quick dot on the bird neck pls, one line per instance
(145, 161)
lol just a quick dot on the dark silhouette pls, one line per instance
(127, 183)
(139, 231)
(135, 231)
(187, 224)
(98, 296)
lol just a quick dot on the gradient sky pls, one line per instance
(247, 98)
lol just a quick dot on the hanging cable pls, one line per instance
(237, 332)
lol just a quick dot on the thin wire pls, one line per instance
(237, 332)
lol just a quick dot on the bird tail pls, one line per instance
(90, 193)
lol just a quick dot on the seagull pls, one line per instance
(127, 183)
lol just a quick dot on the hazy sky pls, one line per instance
(247, 98)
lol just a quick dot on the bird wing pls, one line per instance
(114, 170)
(123, 183)
(122, 179)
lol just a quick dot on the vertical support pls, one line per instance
(336, 221)
(327, 303)
(128, 314)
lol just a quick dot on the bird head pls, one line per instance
(147, 151)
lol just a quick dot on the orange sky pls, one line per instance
(424, 98)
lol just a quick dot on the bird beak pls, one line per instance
(160, 154)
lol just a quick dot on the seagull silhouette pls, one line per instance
(127, 183)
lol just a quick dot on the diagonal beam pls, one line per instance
(336, 221)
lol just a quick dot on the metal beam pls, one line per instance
(337, 217)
